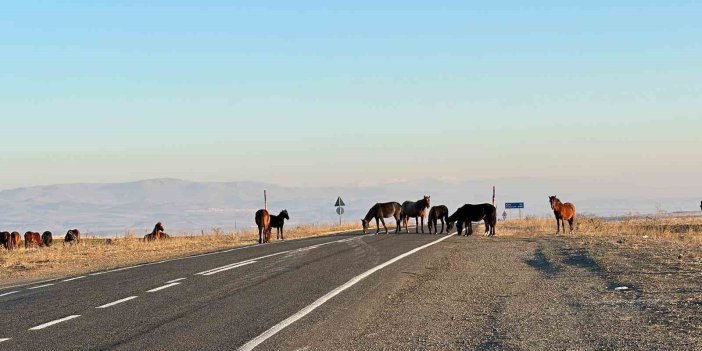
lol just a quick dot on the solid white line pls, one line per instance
(76, 278)
(40, 286)
(305, 311)
(45, 325)
(175, 280)
(242, 264)
(5, 339)
(117, 302)
(9, 293)
(163, 287)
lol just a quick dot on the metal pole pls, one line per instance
(265, 201)
(493, 195)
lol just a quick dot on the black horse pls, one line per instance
(474, 213)
(47, 238)
(278, 222)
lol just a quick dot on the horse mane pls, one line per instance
(370, 213)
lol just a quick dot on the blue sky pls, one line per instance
(313, 92)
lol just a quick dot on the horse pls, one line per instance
(563, 212)
(32, 238)
(278, 221)
(437, 213)
(5, 240)
(416, 210)
(15, 240)
(72, 236)
(380, 211)
(47, 238)
(263, 222)
(157, 233)
(469, 213)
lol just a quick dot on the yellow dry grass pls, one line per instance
(100, 254)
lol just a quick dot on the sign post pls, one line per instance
(513, 205)
(339, 208)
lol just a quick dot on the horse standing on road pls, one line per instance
(263, 221)
(380, 211)
(278, 222)
(563, 212)
(437, 213)
(416, 210)
(468, 213)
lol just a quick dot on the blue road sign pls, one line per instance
(509, 205)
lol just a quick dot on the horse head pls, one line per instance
(158, 227)
(284, 214)
(427, 200)
(365, 225)
(553, 200)
(449, 227)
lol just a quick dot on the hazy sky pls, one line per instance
(314, 92)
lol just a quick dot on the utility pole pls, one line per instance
(265, 200)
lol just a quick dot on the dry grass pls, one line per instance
(99, 254)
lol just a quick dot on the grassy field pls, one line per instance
(95, 254)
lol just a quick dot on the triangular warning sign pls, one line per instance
(339, 202)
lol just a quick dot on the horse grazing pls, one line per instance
(437, 213)
(278, 221)
(416, 210)
(31, 239)
(72, 237)
(468, 213)
(380, 211)
(157, 233)
(263, 222)
(47, 238)
(5, 240)
(563, 212)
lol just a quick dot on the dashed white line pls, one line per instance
(9, 293)
(46, 325)
(117, 302)
(305, 311)
(76, 278)
(226, 268)
(175, 280)
(4, 339)
(40, 286)
(163, 287)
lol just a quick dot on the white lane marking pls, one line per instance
(175, 280)
(163, 287)
(305, 311)
(9, 293)
(76, 278)
(40, 286)
(5, 339)
(226, 268)
(45, 325)
(117, 302)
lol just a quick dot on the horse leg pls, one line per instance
(442, 226)
(282, 237)
(558, 225)
(571, 222)
(260, 235)
(377, 225)
(384, 226)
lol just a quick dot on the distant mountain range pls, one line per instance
(185, 206)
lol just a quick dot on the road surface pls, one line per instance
(351, 291)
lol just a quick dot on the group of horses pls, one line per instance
(11, 241)
(266, 222)
(462, 218)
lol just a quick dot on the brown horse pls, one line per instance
(32, 239)
(47, 238)
(416, 210)
(278, 222)
(468, 213)
(157, 233)
(563, 212)
(380, 211)
(5, 239)
(263, 222)
(72, 237)
(437, 213)
(15, 240)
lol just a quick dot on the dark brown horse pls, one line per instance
(157, 233)
(563, 212)
(15, 240)
(437, 213)
(416, 210)
(72, 237)
(380, 211)
(278, 222)
(263, 222)
(5, 239)
(47, 238)
(32, 239)
(468, 213)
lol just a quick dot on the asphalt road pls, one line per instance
(354, 292)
